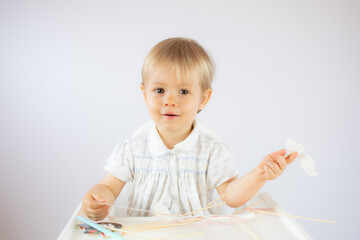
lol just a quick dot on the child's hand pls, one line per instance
(92, 203)
(273, 165)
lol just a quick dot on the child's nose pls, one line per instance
(170, 100)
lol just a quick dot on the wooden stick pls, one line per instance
(154, 224)
(293, 216)
(135, 209)
(119, 206)
(167, 225)
(159, 227)
(249, 206)
(215, 205)
(154, 227)
(135, 233)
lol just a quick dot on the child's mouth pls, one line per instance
(170, 116)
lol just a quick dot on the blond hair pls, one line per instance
(183, 57)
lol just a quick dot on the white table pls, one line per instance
(248, 225)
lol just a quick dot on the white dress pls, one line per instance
(182, 179)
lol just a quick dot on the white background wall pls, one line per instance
(69, 91)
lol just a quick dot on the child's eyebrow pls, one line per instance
(181, 85)
(156, 83)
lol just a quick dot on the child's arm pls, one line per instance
(269, 168)
(106, 191)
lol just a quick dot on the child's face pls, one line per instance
(173, 104)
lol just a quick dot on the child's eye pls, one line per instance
(159, 90)
(183, 91)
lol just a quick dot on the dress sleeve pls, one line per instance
(221, 166)
(120, 163)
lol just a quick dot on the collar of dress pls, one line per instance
(157, 146)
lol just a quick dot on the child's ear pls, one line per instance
(143, 90)
(205, 98)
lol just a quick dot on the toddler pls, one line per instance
(176, 160)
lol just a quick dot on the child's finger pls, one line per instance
(280, 160)
(282, 152)
(274, 167)
(269, 172)
(94, 201)
(97, 217)
(98, 211)
(96, 205)
(291, 157)
(97, 197)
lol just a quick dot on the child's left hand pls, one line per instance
(273, 165)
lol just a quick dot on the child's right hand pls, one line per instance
(92, 202)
